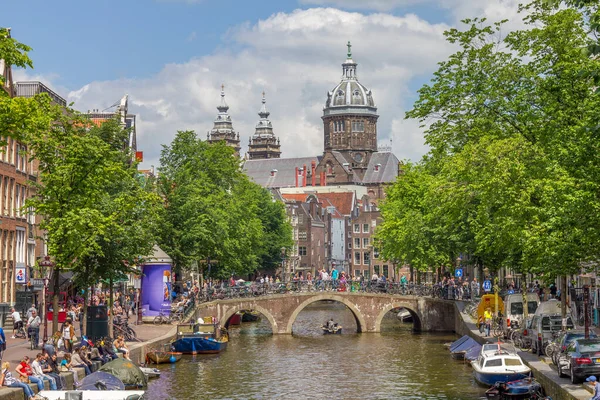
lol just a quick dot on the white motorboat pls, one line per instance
(498, 362)
(151, 372)
(91, 394)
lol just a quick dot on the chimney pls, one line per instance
(313, 167)
(296, 176)
(323, 178)
(273, 172)
(377, 166)
(304, 176)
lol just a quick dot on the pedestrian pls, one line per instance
(487, 316)
(68, 335)
(33, 327)
(594, 382)
(17, 322)
(7, 379)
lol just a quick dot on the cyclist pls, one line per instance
(33, 327)
(17, 323)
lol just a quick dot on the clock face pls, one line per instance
(358, 157)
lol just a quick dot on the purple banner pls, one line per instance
(156, 289)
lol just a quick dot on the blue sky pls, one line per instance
(171, 57)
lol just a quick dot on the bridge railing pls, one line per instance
(255, 289)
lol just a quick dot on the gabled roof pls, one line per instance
(344, 202)
(388, 168)
(277, 172)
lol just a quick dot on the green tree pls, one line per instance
(512, 130)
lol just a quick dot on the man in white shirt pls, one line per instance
(39, 373)
(33, 327)
(16, 317)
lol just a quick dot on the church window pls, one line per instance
(338, 126)
(340, 98)
(358, 126)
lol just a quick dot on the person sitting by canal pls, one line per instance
(7, 379)
(487, 315)
(121, 346)
(66, 365)
(33, 327)
(50, 367)
(26, 373)
(77, 362)
(594, 382)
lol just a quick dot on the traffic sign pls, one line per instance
(487, 285)
(458, 273)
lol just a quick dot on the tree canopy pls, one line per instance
(213, 211)
(512, 174)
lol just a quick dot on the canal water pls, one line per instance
(395, 364)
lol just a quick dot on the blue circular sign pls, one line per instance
(487, 285)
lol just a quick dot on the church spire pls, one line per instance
(223, 127)
(349, 66)
(264, 143)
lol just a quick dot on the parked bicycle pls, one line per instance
(172, 317)
(121, 327)
(20, 332)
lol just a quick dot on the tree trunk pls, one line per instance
(55, 300)
(563, 299)
(110, 305)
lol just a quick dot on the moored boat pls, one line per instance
(236, 319)
(200, 338)
(250, 316)
(150, 372)
(498, 362)
(521, 389)
(163, 357)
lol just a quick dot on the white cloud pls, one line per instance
(379, 5)
(295, 57)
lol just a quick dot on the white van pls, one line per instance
(513, 307)
(546, 321)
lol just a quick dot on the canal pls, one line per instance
(395, 364)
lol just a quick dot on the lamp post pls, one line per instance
(46, 264)
(283, 271)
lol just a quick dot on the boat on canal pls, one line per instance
(250, 316)
(527, 388)
(164, 355)
(331, 328)
(201, 338)
(498, 362)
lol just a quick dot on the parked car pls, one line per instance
(580, 360)
(515, 311)
(566, 337)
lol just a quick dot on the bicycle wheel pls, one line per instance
(158, 320)
(549, 350)
(32, 342)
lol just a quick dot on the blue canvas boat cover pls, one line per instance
(457, 343)
(473, 352)
(101, 381)
(464, 346)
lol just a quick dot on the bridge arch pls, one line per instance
(399, 304)
(360, 320)
(240, 307)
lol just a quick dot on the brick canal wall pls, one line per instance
(137, 353)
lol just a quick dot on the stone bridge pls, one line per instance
(368, 308)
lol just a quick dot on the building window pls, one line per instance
(375, 252)
(357, 243)
(349, 245)
(357, 273)
(365, 228)
(367, 258)
(338, 126)
(302, 235)
(365, 243)
(376, 269)
(356, 258)
(385, 271)
(358, 126)
(302, 250)
(356, 228)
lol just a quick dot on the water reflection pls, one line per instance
(395, 364)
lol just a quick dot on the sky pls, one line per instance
(172, 56)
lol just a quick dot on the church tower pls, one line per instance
(263, 144)
(223, 128)
(350, 120)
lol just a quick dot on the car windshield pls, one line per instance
(589, 347)
(532, 306)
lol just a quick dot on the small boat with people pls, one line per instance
(498, 362)
(331, 328)
(204, 337)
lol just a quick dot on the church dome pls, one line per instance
(350, 96)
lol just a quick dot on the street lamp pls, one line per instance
(283, 271)
(46, 264)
